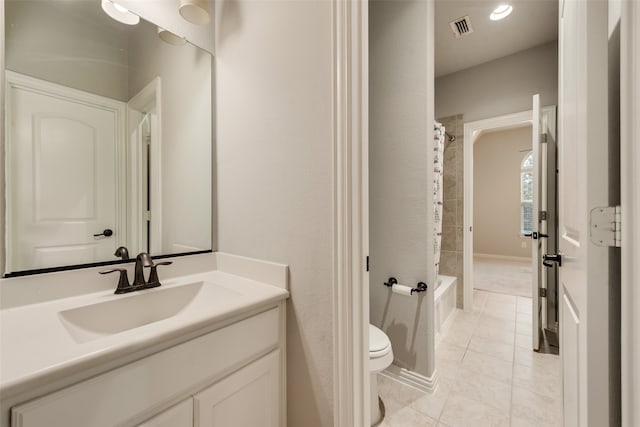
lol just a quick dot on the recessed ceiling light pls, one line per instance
(501, 12)
(119, 13)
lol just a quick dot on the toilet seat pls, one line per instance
(380, 357)
(380, 354)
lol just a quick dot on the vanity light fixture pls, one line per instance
(195, 11)
(501, 12)
(119, 13)
(168, 37)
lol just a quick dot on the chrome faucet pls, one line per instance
(143, 260)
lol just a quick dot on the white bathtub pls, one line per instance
(444, 302)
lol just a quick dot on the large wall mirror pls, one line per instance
(108, 138)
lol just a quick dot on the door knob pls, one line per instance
(106, 233)
(548, 259)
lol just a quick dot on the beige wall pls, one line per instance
(497, 157)
(400, 133)
(274, 171)
(502, 86)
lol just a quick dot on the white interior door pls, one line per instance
(535, 223)
(587, 349)
(62, 183)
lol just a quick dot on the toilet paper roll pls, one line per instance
(401, 289)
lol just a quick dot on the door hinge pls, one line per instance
(605, 228)
(147, 215)
(542, 292)
(542, 216)
(543, 138)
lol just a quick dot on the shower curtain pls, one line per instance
(438, 163)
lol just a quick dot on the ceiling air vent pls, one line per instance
(461, 26)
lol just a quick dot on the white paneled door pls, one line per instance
(61, 170)
(587, 348)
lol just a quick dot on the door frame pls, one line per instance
(14, 80)
(150, 97)
(472, 131)
(350, 64)
(630, 206)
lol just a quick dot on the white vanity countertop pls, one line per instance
(38, 348)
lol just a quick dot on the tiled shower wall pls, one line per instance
(451, 255)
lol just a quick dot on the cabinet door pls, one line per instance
(180, 415)
(247, 398)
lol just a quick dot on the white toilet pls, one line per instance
(380, 357)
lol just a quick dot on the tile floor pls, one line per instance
(510, 277)
(489, 376)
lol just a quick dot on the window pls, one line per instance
(526, 194)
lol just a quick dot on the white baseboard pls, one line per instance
(501, 257)
(412, 379)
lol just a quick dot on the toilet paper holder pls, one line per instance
(420, 287)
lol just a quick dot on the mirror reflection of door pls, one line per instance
(144, 170)
(62, 151)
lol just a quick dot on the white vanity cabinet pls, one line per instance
(180, 415)
(230, 376)
(246, 398)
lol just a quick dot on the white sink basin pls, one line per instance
(123, 313)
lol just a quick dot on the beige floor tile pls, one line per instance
(524, 305)
(523, 422)
(524, 328)
(528, 357)
(494, 297)
(500, 308)
(545, 380)
(448, 370)
(462, 319)
(524, 341)
(493, 347)
(535, 408)
(501, 276)
(431, 404)
(460, 411)
(458, 336)
(446, 351)
(478, 363)
(465, 316)
(409, 417)
(500, 316)
(487, 322)
(483, 389)
(524, 317)
(505, 336)
(396, 392)
(479, 299)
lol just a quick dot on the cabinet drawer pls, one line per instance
(134, 392)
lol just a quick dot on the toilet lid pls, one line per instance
(378, 340)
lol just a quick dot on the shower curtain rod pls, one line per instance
(451, 137)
